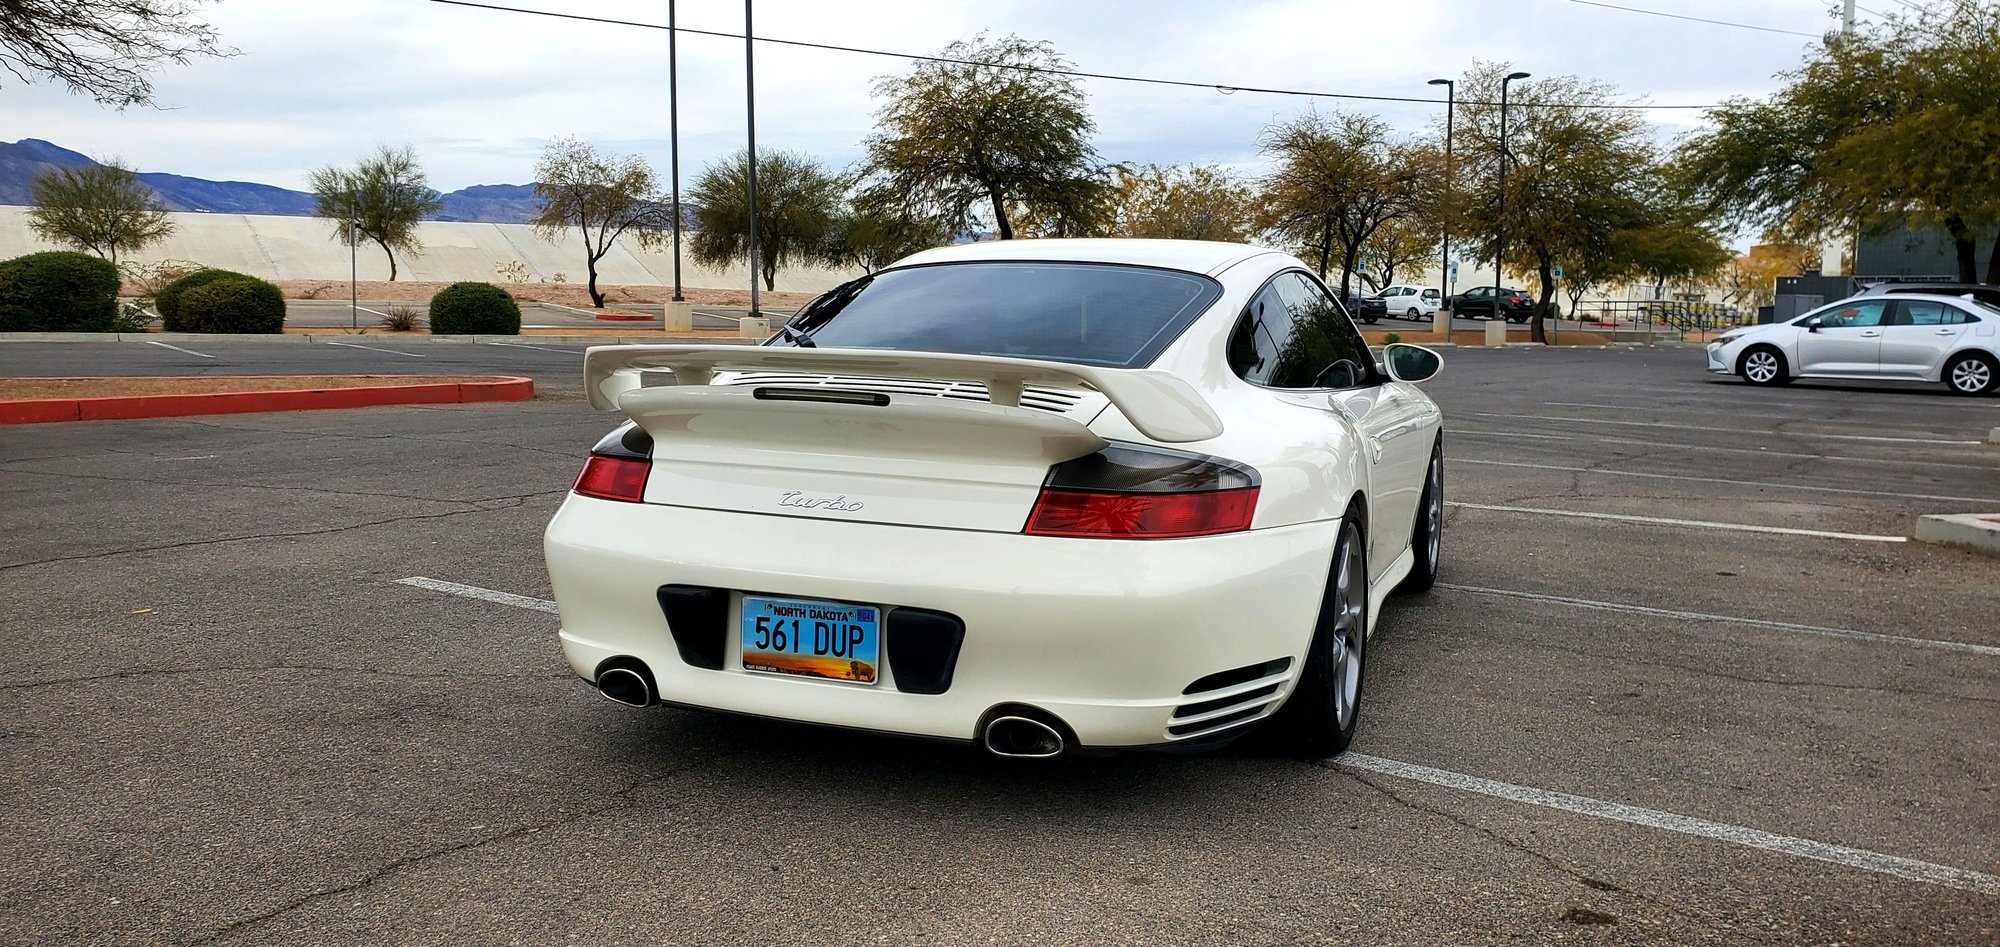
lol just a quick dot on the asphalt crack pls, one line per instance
(622, 799)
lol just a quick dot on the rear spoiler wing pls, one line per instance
(1161, 405)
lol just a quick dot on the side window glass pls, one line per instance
(1260, 336)
(1325, 349)
(1920, 312)
(1855, 316)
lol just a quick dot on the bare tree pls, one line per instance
(102, 48)
(386, 195)
(100, 207)
(604, 196)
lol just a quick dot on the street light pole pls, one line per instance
(1500, 219)
(353, 274)
(1444, 264)
(750, 90)
(674, 140)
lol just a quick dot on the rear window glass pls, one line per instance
(1088, 313)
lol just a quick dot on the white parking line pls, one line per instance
(1724, 430)
(178, 349)
(1458, 431)
(1870, 636)
(1908, 868)
(1693, 524)
(538, 348)
(351, 345)
(473, 591)
(1741, 483)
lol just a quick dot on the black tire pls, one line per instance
(1972, 374)
(1370, 319)
(1414, 314)
(1318, 719)
(1427, 538)
(1764, 365)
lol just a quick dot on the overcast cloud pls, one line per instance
(478, 92)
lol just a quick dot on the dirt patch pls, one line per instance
(562, 294)
(23, 388)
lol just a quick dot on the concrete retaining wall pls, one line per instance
(305, 248)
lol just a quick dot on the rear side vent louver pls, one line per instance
(1228, 699)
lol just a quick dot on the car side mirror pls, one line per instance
(1411, 363)
(1813, 324)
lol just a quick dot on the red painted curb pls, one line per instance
(127, 407)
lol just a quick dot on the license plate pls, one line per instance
(830, 640)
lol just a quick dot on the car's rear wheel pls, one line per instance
(1427, 539)
(1972, 374)
(1414, 314)
(1318, 718)
(1764, 365)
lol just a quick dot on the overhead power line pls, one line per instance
(1222, 87)
(1695, 19)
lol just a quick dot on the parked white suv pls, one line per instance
(1412, 302)
(1954, 340)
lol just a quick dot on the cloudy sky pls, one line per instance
(478, 92)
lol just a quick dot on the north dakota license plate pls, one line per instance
(809, 638)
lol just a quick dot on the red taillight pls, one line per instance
(614, 478)
(1134, 491)
(1141, 515)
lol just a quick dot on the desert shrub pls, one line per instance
(58, 291)
(133, 316)
(400, 319)
(1391, 338)
(168, 301)
(145, 280)
(241, 304)
(474, 309)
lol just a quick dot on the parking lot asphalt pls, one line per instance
(1728, 705)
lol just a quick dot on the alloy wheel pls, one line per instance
(1350, 615)
(1434, 513)
(1760, 366)
(1971, 376)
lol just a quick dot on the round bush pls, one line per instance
(59, 291)
(474, 309)
(242, 304)
(168, 302)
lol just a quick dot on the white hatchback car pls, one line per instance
(1954, 340)
(1412, 302)
(1036, 495)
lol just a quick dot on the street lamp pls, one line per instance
(750, 91)
(674, 140)
(1444, 265)
(1500, 220)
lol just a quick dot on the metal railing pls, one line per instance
(1677, 314)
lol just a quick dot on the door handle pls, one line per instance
(1947, 332)
(1870, 335)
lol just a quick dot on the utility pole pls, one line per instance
(1500, 220)
(674, 140)
(750, 90)
(353, 274)
(1444, 265)
(1847, 17)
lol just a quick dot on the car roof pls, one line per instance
(1195, 256)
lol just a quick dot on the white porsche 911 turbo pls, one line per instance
(1038, 495)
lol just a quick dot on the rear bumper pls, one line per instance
(1104, 634)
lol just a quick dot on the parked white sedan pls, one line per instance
(1412, 302)
(1954, 340)
(1036, 495)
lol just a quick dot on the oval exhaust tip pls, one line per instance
(1023, 738)
(625, 686)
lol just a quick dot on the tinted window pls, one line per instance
(1921, 312)
(1293, 335)
(1096, 314)
(1854, 315)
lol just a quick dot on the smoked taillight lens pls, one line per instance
(618, 466)
(1128, 491)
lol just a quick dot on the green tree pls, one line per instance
(1893, 125)
(870, 234)
(1584, 186)
(385, 195)
(603, 196)
(102, 48)
(1180, 202)
(797, 200)
(988, 130)
(1338, 180)
(1397, 247)
(100, 207)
